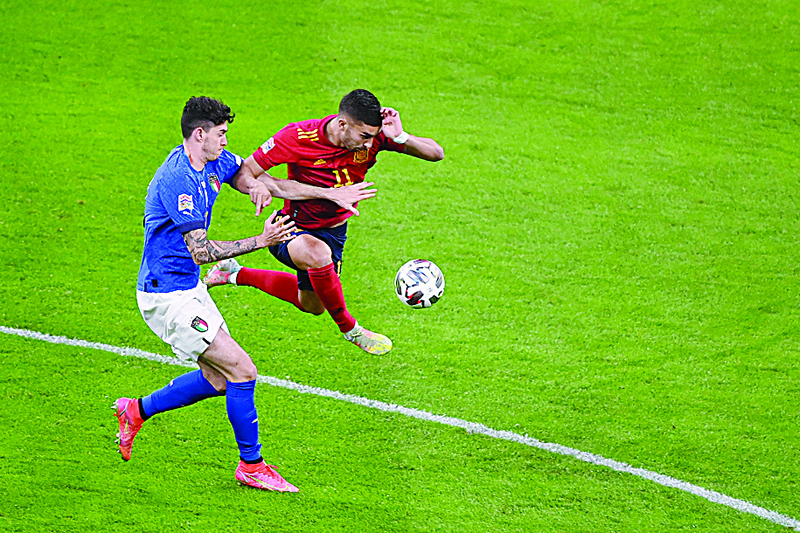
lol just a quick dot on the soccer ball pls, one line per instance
(419, 283)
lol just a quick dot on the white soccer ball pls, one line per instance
(419, 283)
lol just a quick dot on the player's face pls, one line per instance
(357, 135)
(214, 140)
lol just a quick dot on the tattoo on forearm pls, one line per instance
(206, 251)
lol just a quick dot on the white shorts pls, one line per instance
(186, 320)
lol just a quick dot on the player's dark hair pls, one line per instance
(204, 112)
(361, 105)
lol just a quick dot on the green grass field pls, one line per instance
(616, 217)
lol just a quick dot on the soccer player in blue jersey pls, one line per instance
(176, 305)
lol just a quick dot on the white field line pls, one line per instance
(470, 427)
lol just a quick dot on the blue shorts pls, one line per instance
(333, 237)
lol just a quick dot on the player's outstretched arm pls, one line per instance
(345, 197)
(424, 148)
(206, 251)
(420, 147)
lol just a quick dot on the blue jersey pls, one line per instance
(179, 199)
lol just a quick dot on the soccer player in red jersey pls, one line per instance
(335, 151)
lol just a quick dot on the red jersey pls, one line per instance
(311, 158)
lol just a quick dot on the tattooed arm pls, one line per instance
(206, 251)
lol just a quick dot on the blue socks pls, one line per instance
(241, 405)
(193, 387)
(181, 391)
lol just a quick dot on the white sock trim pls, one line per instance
(349, 334)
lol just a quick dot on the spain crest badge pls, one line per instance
(360, 156)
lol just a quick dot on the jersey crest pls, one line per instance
(360, 156)
(319, 162)
(213, 180)
(199, 324)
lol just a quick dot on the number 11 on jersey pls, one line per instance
(339, 181)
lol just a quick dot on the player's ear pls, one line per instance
(198, 134)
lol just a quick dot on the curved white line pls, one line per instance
(470, 427)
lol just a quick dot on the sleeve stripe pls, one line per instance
(192, 225)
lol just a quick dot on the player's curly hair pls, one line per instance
(363, 106)
(204, 112)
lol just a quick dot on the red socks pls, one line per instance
(329, 290)
(279, 284)
(283, 285)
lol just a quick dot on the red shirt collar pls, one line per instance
(322, 127)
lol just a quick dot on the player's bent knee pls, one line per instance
(310, 253)
(226, 356)
(321, 259)
(249, 373)
(243, 370)
(242, 373)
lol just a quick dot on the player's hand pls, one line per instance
(277, 229)
(392, 127)
(260, 196)
(350, 195)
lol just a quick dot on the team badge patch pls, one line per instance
(360, 156)
(199, 324)
(185, 202)
(267, 146)
(319, 162)
(213, 180)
